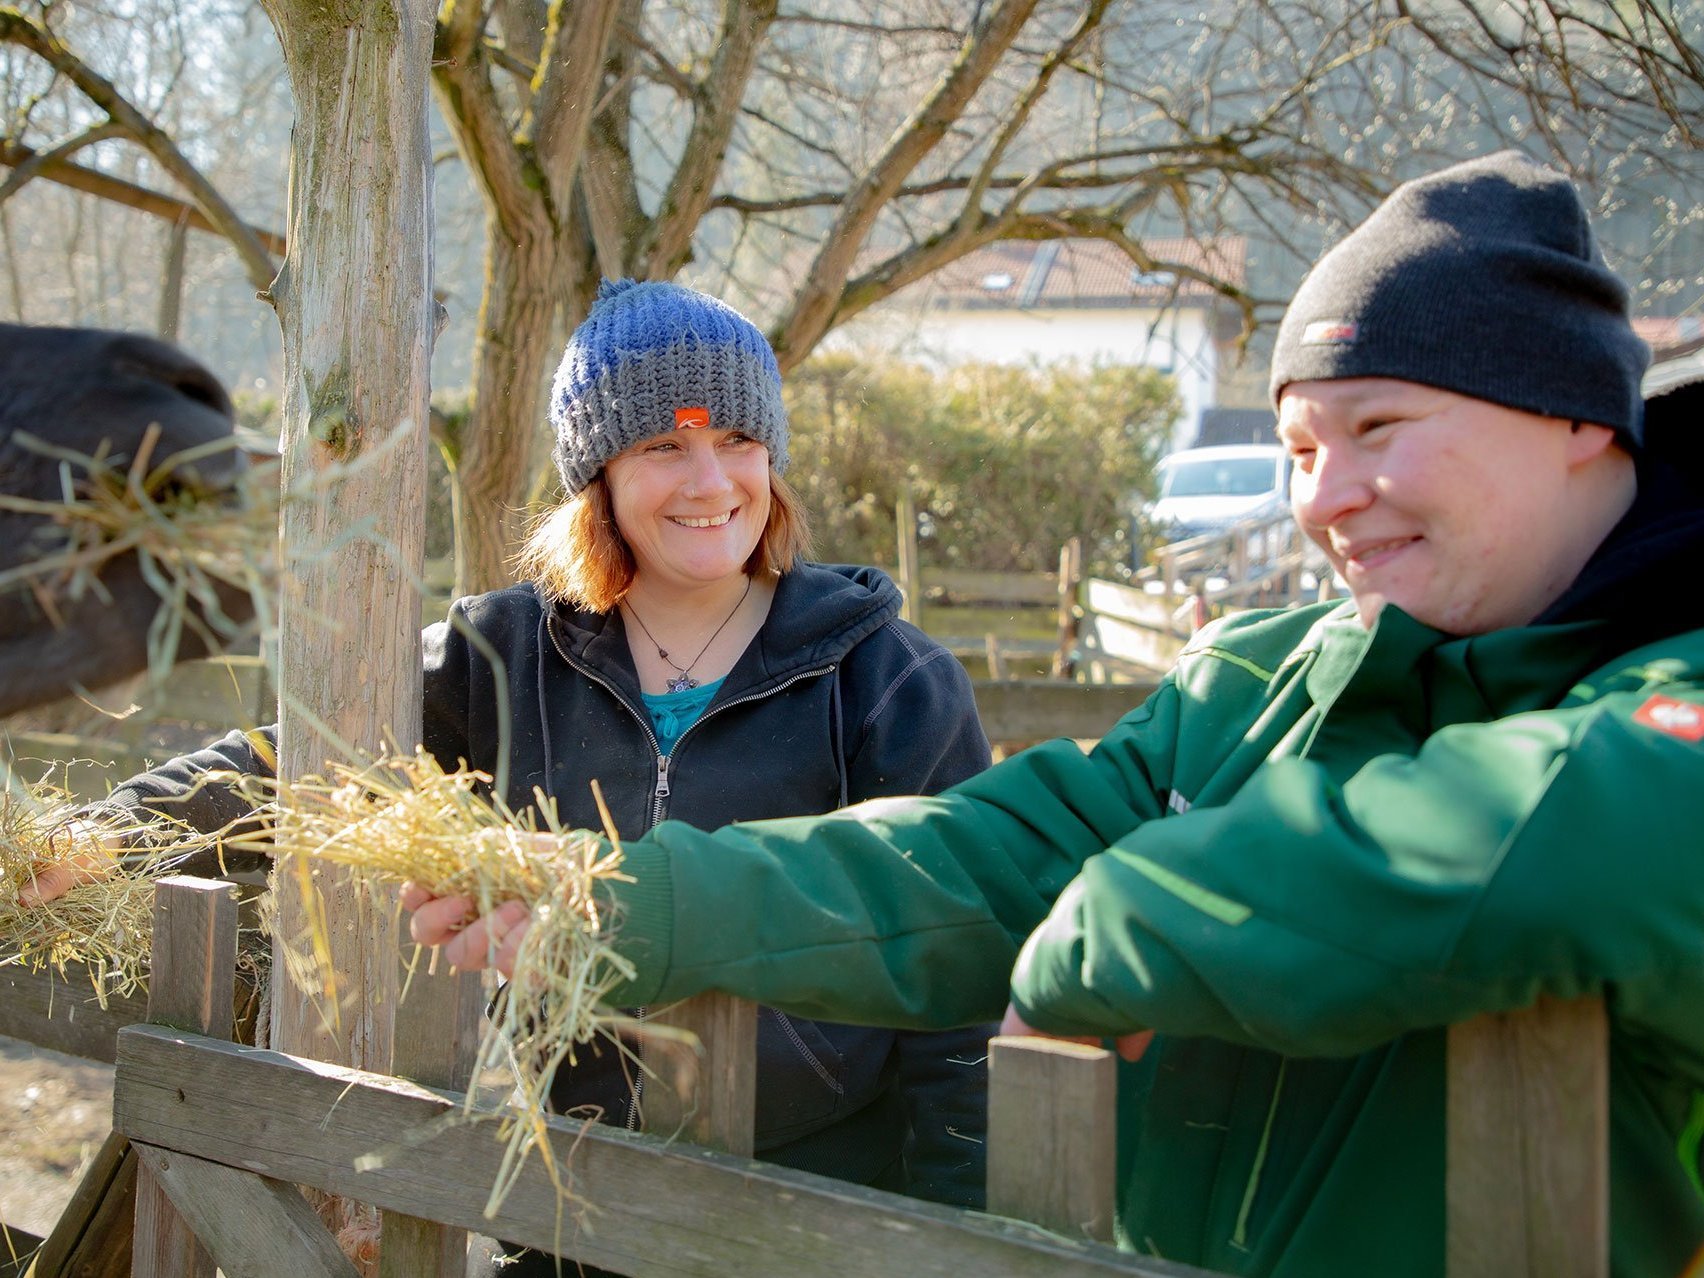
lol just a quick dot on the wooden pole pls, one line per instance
(910, 576)
(1528, 1143)
(1053, 1135)
(355, 304)
(704, 1088)
(1070, 574)
(191, 985)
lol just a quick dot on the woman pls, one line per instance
(671, 643)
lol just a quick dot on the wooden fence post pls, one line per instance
(436, 1032)
(1528, 1143)
(1070, 572)
(191, 986)
(705, 1092)
(1053, 1135)
(910, 576)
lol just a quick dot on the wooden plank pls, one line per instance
(436, 1031)
(1070, 572)
(1053, 1134)
(1041, 709)
(705, 1089)
(191, 985)
(1527, 1189)
(62, 1013)
(955, 587)
(193, 973)
(95, 1234)
(910, 577)
(1129, 642)
(642, 1205)
(1126, 603)
(254, 1227)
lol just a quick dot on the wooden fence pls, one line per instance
(1527, 1100)
(228, 692)
(222, 1133)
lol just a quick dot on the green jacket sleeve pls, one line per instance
(1549, 852)
(906, 911)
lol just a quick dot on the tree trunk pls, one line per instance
(503, 445)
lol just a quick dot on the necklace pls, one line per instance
(684, 680)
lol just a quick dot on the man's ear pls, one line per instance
(1587, 442)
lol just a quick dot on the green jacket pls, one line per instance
(1312, 848)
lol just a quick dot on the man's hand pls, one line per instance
(1129, 1046)
(470, 941)
(84, 854)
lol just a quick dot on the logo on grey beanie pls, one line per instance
(1335, 332)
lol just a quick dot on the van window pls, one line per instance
(1220, 476)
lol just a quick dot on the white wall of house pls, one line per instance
(1176, 340)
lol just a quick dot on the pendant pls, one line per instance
(682, 683)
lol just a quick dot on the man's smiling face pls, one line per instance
(1453, 509)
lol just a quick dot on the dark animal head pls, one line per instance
(94, 393)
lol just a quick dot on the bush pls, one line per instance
(1005, 464)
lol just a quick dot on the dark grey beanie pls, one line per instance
(656, 357)
(1483, 279)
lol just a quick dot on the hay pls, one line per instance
(404, 819)
(189, 544)
(105, 924)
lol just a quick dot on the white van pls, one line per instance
(1206, 490)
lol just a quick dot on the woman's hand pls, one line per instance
(1129, 1046)
(470, 941)
(84, 853)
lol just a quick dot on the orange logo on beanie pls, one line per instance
(691, 418)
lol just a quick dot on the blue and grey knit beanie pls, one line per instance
(651, 358)
(1483, 279)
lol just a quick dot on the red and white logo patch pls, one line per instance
(1677, 718)
(1330, 333)
(691, 418)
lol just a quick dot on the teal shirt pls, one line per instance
(672, 713)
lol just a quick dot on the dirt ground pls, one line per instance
(54, 1113)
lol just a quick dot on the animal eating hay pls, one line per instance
(117, 461)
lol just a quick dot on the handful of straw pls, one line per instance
(404, 819)
(188, 544)
(105, 924)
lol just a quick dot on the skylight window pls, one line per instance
(996, 281)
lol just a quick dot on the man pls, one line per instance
(1332, 831)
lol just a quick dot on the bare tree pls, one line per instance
(812, 159)
(831, 155)
(1639, 62)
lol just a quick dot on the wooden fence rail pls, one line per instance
(225, 1129)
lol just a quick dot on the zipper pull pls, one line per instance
(662, 776)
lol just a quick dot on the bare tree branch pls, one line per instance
(33, 166)
(93, 182)
(668, 244)
(17, 29)
(462, 81)
(565, 91)
(813, 306)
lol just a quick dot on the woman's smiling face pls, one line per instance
(691, 504)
